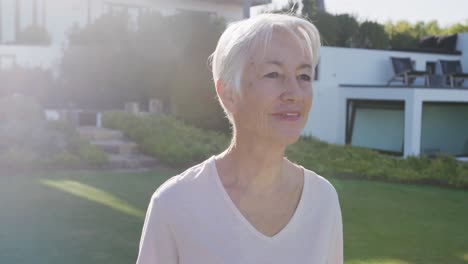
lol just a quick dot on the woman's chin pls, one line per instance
(287, 139)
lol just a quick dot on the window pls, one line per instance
(444, 128)
(376, 125)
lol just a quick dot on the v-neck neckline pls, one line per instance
(243, 219)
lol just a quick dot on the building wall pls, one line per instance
(358, 67)
(62, 15)
(29, 56)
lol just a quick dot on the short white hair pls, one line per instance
(242, 37)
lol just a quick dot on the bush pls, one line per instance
(90, 154)
(355, 162)
(166, 138)
(178, 144)
(28, 141)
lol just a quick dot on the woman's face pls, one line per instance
(276, 91)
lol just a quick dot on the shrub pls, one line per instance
(28, 141)
(352, 162)
(166, 138)
(91, 154)
(177, 144)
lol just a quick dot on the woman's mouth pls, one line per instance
(288, 116)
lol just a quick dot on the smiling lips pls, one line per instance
(288, 116)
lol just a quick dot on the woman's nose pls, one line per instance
(292, 90)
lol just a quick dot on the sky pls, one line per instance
(446, 12)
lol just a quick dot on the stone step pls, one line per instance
(136, 161)
(115, 146)
(99, 133)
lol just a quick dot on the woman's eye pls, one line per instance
(305, 77)
(272, 75)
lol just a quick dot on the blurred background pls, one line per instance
(101, 101)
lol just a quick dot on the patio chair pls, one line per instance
(404, 71)
(453, 71)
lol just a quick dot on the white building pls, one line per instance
(59, 16)
(354, 105)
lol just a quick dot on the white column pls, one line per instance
(413, 120)
(342, 119)
(99, 119)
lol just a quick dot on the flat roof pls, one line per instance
(380, 86)
(241, 2)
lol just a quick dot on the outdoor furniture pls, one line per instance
(404, 71)
(436, 79)
(453, 71)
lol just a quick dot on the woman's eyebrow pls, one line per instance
(305, 66)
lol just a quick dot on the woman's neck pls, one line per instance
(252, 165)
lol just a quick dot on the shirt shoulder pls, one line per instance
(183, 184)
(321, 185)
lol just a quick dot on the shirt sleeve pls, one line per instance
(336, 244)
(157, 244)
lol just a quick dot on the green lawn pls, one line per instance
(96, 217)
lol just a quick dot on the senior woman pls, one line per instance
(250, 204)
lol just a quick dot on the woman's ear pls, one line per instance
(226, 96)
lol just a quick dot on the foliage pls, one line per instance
(348, 161)
(91, 154)
(309, 8)
(372, 35)
(109, 63)
(290, 8)
(28, 141)
(166, 138)
(327, 25)
(402, 35)
(178, 144)
(457, 28)
(32, 82)
(345, 30)
(192, 93)
(34, 35)
(348, 29)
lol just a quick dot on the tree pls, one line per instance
(193, 96)
(432, 28)
(37, 83)
(401, 35)
(291, 8)
(327, 25)
(372, 36)
(98, 67)
(309, 8)
(347, 30)
(457, 28)
(111, 62)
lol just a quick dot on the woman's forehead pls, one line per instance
(280, 47)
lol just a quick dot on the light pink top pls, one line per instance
(192, 220)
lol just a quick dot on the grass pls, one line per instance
(96, 217)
